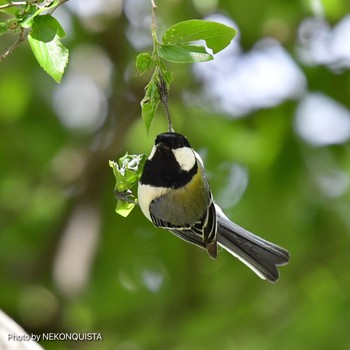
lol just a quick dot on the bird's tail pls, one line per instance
(261, 256)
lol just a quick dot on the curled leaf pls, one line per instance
(127, 172)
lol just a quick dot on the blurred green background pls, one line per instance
(270, 115)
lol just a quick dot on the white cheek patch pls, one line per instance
(185, 157)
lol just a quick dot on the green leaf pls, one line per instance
(45, 43)
(150, 102)
(184, 53)
(34, 11)
(46, 27)
(127, 172)
(144, 62)
(216, 35)
(124, 208)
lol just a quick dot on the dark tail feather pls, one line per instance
(261, 256)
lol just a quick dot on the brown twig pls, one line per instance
(22, 36)
(164, 97)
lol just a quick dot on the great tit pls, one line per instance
(174, 194)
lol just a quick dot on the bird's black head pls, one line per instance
(172, 140)
(172, 162)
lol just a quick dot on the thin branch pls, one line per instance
(154, 8)
(12, 4)
(59, 4)
(22, 36)
(153, 27)
(164, 97)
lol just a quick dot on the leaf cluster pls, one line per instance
(181, 43)
(34, 18)
(127, 172)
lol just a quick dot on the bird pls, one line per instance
(174, 194)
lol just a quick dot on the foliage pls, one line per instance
(127, 171)
(178, 46)
(33, 18)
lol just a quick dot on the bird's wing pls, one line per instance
(201, 233)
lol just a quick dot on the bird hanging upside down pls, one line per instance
(174, 194)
